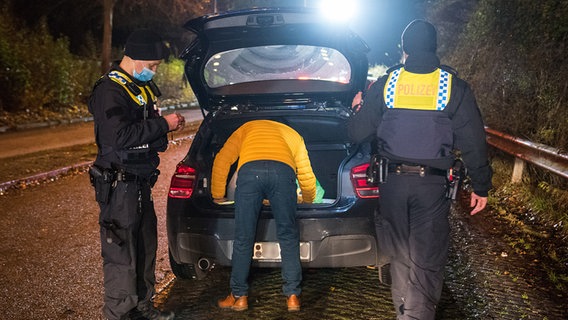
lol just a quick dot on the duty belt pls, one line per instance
(125, 176)
(400, 168)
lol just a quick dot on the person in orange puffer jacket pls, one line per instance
(270, 157)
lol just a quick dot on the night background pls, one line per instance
(378, 22)
(511, 52)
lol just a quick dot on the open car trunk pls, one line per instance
(324, 134)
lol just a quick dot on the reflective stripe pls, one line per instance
(121, 79)
(442, 96)
(443, 91)
(118, 76)
(391, 88)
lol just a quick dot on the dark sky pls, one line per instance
(380, 23)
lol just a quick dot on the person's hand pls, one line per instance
(356, 103)
(477, 203)
(175, 121)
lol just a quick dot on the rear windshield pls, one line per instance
(277, 62)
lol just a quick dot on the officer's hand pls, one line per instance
(175, 121)
(477, 203)
(356, 103)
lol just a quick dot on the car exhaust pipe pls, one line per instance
(204, 264)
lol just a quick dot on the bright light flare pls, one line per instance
(338, 10)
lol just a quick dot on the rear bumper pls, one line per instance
(326, 242)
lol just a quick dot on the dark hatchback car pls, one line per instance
(286, 65)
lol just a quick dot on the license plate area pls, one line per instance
(270, 252)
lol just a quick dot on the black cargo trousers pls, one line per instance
(413, 235)
(128, 248)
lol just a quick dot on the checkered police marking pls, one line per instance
(441, 98)
(117, 76)
(391, 88)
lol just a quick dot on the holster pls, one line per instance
(101, 180)
(377, 171)
(456, 174)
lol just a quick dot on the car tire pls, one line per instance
(186, 270)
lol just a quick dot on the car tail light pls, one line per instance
(183, 182)
(359, 180)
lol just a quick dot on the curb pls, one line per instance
(53, 174)
(47, 124)
(44, 176)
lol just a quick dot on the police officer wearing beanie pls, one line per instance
(422, 116)
(129, 133)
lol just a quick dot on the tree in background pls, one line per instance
(37, 70)
(108, 8)
(83, 21)
(164, 16)
(40, 73)
(514, 55)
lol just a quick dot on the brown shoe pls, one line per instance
(234, 303)
(293, 302)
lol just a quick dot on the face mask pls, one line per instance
(145, 75)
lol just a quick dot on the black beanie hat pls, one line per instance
(419, 36)
(145, 45)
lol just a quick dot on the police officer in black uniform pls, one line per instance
(421, 114)
(129, 133)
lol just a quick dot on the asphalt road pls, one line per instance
(50, 261)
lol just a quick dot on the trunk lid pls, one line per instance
(273, 58)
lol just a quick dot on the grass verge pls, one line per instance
(537, 212)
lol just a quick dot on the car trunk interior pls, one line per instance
(325, 137)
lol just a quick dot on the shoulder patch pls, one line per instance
(449, 69)
(391, 69)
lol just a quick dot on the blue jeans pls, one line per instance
(275, 181)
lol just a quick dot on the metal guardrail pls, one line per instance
(538, 154)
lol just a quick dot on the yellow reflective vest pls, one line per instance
(414, 124)
(140, 94)
(418, 91)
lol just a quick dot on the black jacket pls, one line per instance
(467, 124)
(121, 131)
